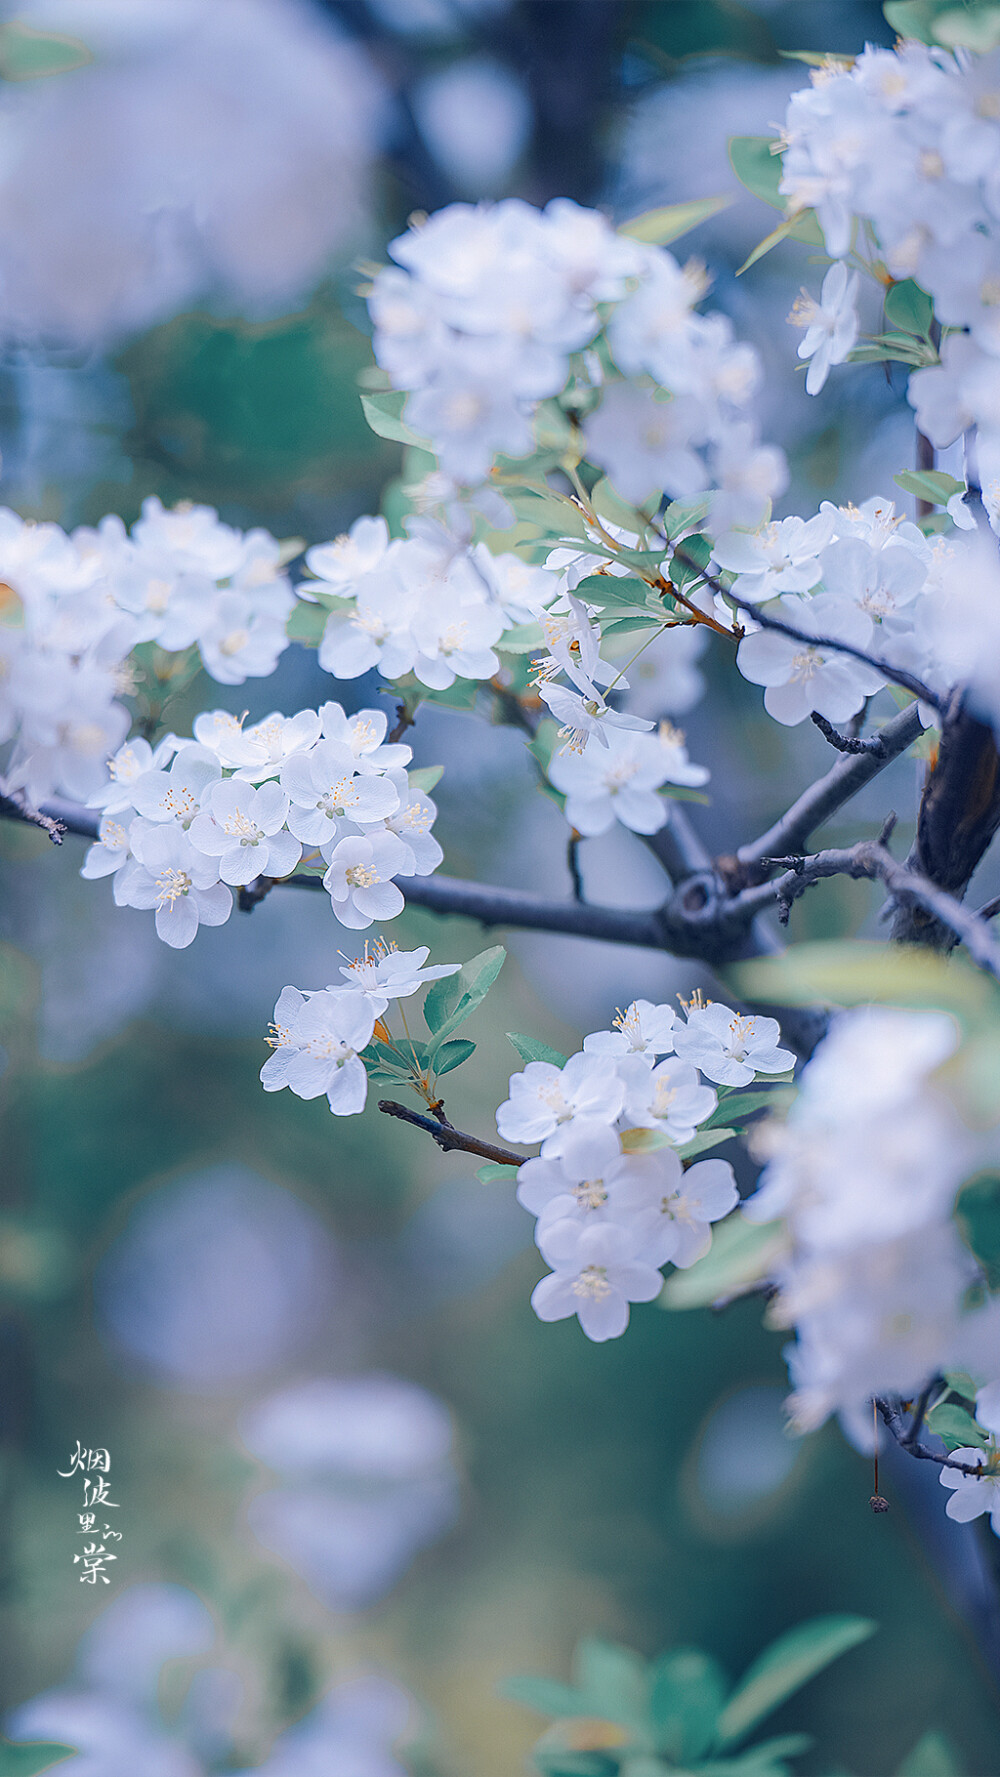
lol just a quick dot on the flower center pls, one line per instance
(591, 1193)
(170, 885)
(593, 1283)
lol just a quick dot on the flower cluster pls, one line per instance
(863, 576)
(423, 604)
(74, 607)
(491, 309)
(183, 825)
(865, 1173)
(612, 1197)
(318, 1036)
(909, 140)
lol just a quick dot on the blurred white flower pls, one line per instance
(212, 147)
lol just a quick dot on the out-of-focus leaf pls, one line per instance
(450, 1001)
(785, 1667)
(742, 1255)
(668, 223)
(851, 974)
(546, 1695)
(29, 1759)
(521, 638)
(307, 623)
(974, 27)
(909, 308)
(27, 54)
(384, 413)
(688, 1689)
(612, 589)
(643, 1141)
(426, 777)
(803, 226)
(978, 1215)
(734, 1105)
(705, 1139)
(612, 1679)
(956, 1426)
(931, 1757)
(531, 1049)
(757, 167)
(494, 1173)
(929, 484)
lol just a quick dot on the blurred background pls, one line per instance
(331, 1415)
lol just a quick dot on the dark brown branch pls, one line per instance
(959, 814)
(449, 1138)
(828, 794)
(871, 859)
(573, 865)
(892, 1420)
(19, 808)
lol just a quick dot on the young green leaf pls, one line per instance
(929, 484)
(30, 1758)
(384, 413)
(853, 973)
(450, 1001)
(909, 308)
(785, 1667)
(306, 624)
(494, 1174)
(742, 1256)
(757, 167)
(740, 1105)
(612, 589)
(546, 1695)
(530, 1049)
(426, 777)
(956, 1426)
(611, 1680)
(688, 1689)
(931, 1757)
(451, 1054)
(668, 223)
(704, 1140)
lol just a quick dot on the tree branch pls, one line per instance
(871, 859)
(828, 794)
(449, 1138)
(892, 1421)
(847, 743)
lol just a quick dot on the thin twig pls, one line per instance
(573, 865)
(404, 720)
(891, 1419)
(20, 809)
(449, 1138)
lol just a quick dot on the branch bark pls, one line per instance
(448, 1138)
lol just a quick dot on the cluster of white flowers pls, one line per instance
(491, 309)
(183, 825)
(318, 1036)
(865, 1173)
(424, 604)
(864, 576)
(75, 606)
(612, 1209)
(909, 140)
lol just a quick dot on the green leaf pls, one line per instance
(975, 27)
(612, 589)
(544, 1694)
(307, 623)
(425, 778)
(705, 1139)
(681, 515)
(611, 1680)
(931, 1757)
(956, 1426)
(690, 559)
(909, 308)
(978, 1215)
(521, 638)
(929, 484)
(859, 972)
(688, 1689)
(802, 226)
(451, 1055)
(450, 1001)
(27, 54)
(742, 1255)
(912, 18)
(960, 1382)
(495, 1173)
(384, 413)
(31, 1757)
(661, 226)
(531, 1049)
(608, 504)
(785, 1667)
(757, 167)
(744, 1104)
(630, 626)
(896, 348)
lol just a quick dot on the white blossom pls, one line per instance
(831, 324)
(168, 874)
(317, 1039)
(383, 973)
(596, 1274)
(244, 829)
(620, 780)
(359, 878)
(669, 1097)
(801, 676)
(731, 1048)
(546, 1102)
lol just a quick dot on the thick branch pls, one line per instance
(959, 814)
(449, 1138)
(823, 798)
(848, 743)
(871, 859)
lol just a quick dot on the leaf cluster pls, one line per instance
(623, 1716)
